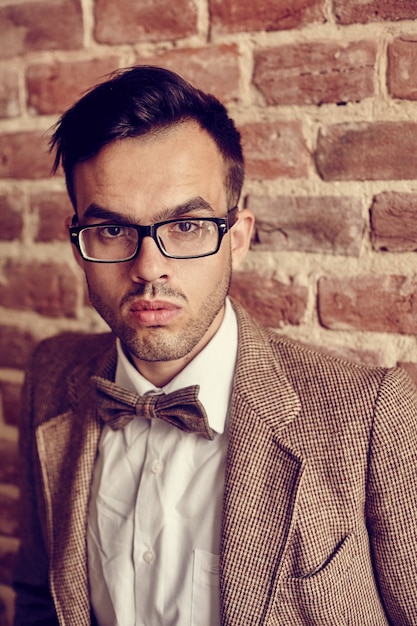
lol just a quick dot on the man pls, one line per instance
(282, 488)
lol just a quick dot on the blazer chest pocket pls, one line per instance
(341, 591)
(338, 564)
(319, 597)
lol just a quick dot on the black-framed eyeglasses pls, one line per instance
(184, 238)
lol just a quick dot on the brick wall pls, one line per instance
(324, 92)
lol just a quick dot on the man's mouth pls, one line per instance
(153, 312)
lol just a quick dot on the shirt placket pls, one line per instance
(149, 521)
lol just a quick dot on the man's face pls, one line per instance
(163, 310)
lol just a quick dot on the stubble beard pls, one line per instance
(158, 343)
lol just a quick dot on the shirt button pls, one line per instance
(157, 466)
(148, 556)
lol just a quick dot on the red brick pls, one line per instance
(8, 516)
(363, 11)
(368, 151)
(315, 73)
(16, 345)
(410, 368)
(129, 21)
(12, 218)
(8, 551)
(24, 155)
(53, 87)
(53, 209)
(375, 303)
(10, 399)
(402, 69)
(9, 92)
(43, 25)
(331, 225)
(271, 302)
(275, 149)
(51, 289)
(394, 222)
(9, 462)
(357, 355)
(231, 16)
(200, 66)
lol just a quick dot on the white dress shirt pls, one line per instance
(156, 502)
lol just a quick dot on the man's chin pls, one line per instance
(156, 345)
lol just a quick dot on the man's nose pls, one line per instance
(149, 264)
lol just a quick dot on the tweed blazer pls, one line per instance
(320, 505)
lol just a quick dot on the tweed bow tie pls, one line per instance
(117, 407)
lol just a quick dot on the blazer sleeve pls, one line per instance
(391, 503)
(34, 605)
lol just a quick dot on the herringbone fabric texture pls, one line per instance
(182, 408)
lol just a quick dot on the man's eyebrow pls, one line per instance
(193, 205)
(95, 211)
(196, 204)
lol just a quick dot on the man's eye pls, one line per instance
(184, 228)
(111, 232)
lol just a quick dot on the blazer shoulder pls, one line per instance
(73, 348)
(292, 353)
(302, 364)
(319, 373)
(59, 357)
(60, 368)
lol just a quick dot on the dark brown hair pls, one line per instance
(137, 101)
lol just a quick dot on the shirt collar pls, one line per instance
(212, 369)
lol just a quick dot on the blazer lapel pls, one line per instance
(262, 479)
(67, 446)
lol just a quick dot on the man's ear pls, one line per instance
(241, 235)
(69, 221)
